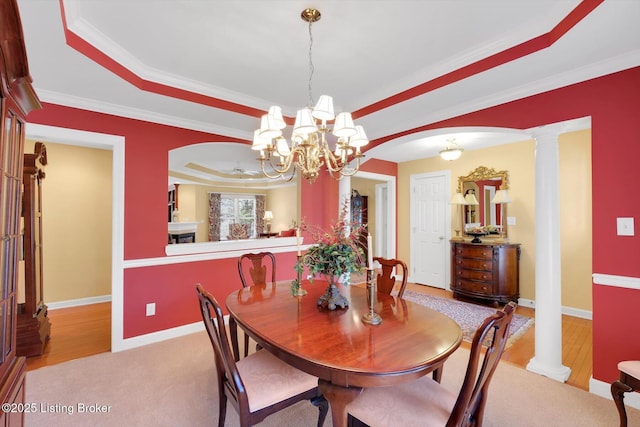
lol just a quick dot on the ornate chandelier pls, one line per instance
(309, 149)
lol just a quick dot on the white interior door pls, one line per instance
(382, 221)
(429, 226)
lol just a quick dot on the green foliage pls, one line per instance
(331, 260)
(337, 251)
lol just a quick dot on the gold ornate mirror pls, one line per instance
(484, 190)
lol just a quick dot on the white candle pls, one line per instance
(369, 252)
(298, 239)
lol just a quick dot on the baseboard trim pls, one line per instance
(522, 302)
(569, 311)
(603, 389)
(155, 337)
(78, 302)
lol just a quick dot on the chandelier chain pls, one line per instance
(311, 67)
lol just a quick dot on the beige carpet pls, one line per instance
(172, 384)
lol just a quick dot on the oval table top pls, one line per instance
(337, 346)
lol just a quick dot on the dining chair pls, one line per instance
(253, 263)
(425, 402)
(258, 273)
(629, 381)
(385, 280)
(258, 385)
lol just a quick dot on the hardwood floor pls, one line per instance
(576, 342)
(75, 332)
(83, 331)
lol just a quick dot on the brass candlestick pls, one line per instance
(298, 290)
(371, 317)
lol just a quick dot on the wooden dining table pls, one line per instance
(345, 353)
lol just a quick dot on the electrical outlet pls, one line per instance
(511, 220)
(151, 309)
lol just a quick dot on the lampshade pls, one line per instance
(282, 148)
(359, 139)
(324, 108)
(343, 126)
(458, 199)
(471, 199)
(269, 128)
(501, 196)
(268, 215)
(304, 124)
(275, 113)
(259, 143)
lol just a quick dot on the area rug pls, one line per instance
(469, 316)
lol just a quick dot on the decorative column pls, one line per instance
(547, 360)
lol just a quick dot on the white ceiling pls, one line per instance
(243, 56)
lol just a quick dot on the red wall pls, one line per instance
(611, 101)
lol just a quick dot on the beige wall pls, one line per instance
(518, 159)
(575, 219)
(283, 202)
(367, 187)
(76, 221)
(193, 205)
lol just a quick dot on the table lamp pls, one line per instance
(501, 197)
(268, 216)
(458, 200)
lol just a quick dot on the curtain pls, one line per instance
(260, 202)
(214, 217)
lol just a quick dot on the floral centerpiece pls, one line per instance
(478, 231)
(338, 252)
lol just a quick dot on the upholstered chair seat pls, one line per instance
(268, 380)
(629, 381)
(258, 385)
(434, 403)
(427, 403)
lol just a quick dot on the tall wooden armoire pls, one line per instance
(17, 99)
(33, 323)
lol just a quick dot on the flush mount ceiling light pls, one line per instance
(451, 151)
(309, 150)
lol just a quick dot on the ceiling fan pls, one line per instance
(241, 172)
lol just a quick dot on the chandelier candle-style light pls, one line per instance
(309, 149)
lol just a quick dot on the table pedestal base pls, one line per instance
(339, 397)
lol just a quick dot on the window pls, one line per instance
(237, 209)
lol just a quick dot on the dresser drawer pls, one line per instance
(474, 287)
(484, 276)
(474, 263)
(472, 251)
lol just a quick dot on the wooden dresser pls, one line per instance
(487, 271)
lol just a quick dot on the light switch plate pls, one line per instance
(511, 220)
(625, 227)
